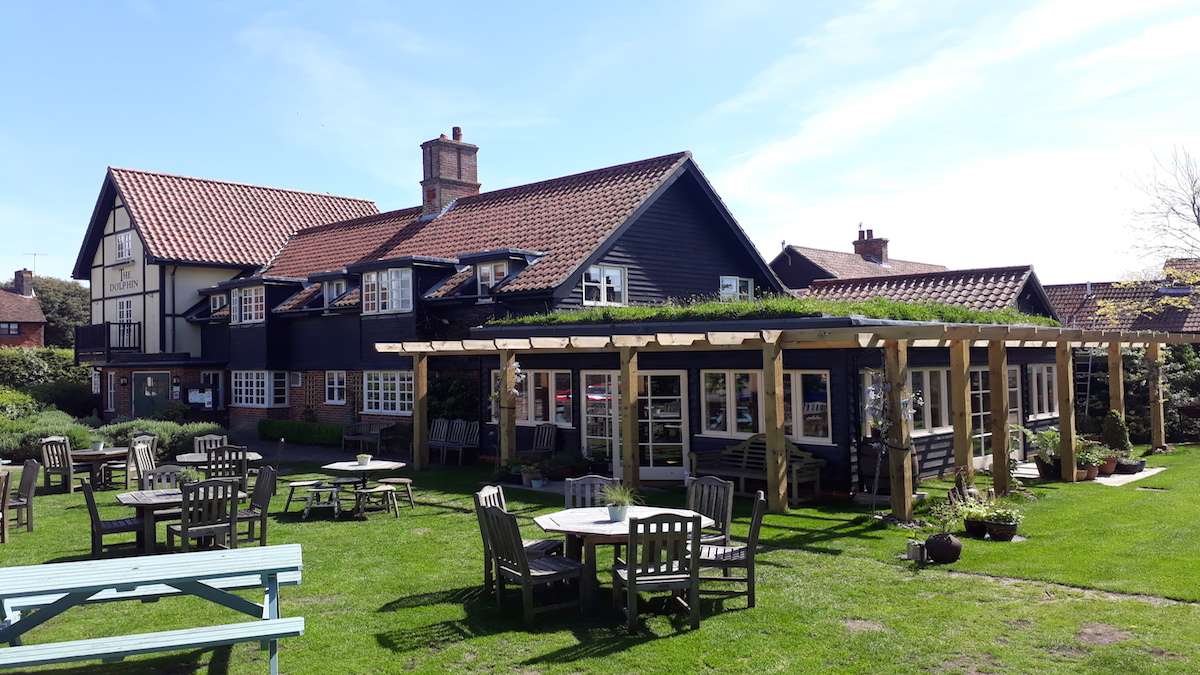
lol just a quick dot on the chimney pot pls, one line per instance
(449, 171)
(870, 234)
(871, 249)
(456, 133)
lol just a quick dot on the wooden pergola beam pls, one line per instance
(777, 484)
(1116, 379)
(1065, 387)
(420, 412)
(899, 438)
(630, 380)
(507, 401)
(998, 386)
(960, 406)
(1158, 429)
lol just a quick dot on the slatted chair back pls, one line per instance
(146, 439)
(56, 454)
(93, 511)
(712, 497)
(543, 437)
(29, 476)
(438, 430)
(492, 495)
(760, 510)
(165, 477)
(227, 461)
(505, 537)
(208, 442)
(5, 479)
(663, 547)
(471, 437)
(208, 502)
(144, 459)
(586, 491)
(264, 487)
(489, 496)
(458, 431)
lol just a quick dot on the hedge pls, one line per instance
(173, 438)
(304, 433)
(21, 368)
(15, 404)
(21, 438)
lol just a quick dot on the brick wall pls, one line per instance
(188, 377)
(29, 335)
(311, 397)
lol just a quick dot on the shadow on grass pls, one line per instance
(190, 662)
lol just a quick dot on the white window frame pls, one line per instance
(981, 427)
(375, 399)
(733, 288)
(335, 387)
(489, 274)
(124, 310)
(248, 305)
(111, 399)
(945, 424)
(1043, 399)
(124, 245)
(259, 388)
(216, 302)
(332, 290)
(604, 286)
(526, 406)
(797, 406)
(387, 291)
(730, 430)
(295, 379)
(96, 382)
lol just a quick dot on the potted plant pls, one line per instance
(943, 548)
(363, 459)
(189, 475)
(1046, 442)
(1127, 465)
(1002, 522)
(528, 473)
(1109, 465)
(974, 513)
(618, 498)
(1088, 458)
(1115, 433)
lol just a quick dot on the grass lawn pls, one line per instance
(399, 595)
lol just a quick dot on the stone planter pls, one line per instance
(943, 548)
(1126, 468)
(976, 529)
(1001, 531)
(1048, 470)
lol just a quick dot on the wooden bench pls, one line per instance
(747, 462)
(366, 434)
(33, 594)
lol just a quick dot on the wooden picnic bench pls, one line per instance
(33, 594)
(365, 434)
(747, 462)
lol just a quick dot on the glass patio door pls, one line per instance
(600, 422)
(662, 422)
(981, 416)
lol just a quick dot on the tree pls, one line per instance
(66, 304)
(1171, 219)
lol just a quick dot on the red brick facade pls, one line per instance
(28, 335)
(122, 388)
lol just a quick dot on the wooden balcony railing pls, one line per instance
(98, 341)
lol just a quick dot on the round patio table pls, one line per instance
(592, 526)
(96, 459)
(363, 470)
(199, 458)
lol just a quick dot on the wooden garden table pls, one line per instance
(96, 459)
(201, 458)
(147, 503)
(593, 528)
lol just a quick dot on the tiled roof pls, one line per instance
(347, 299)
(222, 313)
(201, 220)
(15, 307)
(452, 283)
(1186, 266)
(565, 218)
(852, 266)
(299, 299)
(981, 289)
(1127, 303)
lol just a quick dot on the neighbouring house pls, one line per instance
(22, 323)
(1169, 303)
(988, 288)
(799, 266)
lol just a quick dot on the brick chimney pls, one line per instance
(870, 248)
(23, 283)
(449, 171)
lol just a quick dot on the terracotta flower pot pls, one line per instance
(1092, 472)
(1109, 466)
(943, 548)
(1001, 531)
(976, 529)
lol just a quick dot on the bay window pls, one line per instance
(736, 288)
(259, 388)
(388, 392)
(806, 398)
(335, 387)
(387, 291)
(731, 402)
(1043, 394)
(542, 396)
(248, 305)
(604, 285)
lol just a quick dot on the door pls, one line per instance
(662, 422)
(599, 412)
(150, 393)
(216, 380)
(981, 416)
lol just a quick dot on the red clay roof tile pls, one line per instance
(17, 308)
(1131, 305)
(844, 265)
(981, 289)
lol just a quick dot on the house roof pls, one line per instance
(17, 308)
(843, 265)
(1128, 306)
(565, 218)
(199, 220)
(299, 299)
(982, 289)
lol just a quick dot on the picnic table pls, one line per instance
(33, 594)
(363, 470)
(592, 527)
(96, 459)
(149, 502)
(201, 458)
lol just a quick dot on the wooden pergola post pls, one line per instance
(508, 406)
(420, 411)
(1066, 409)
(1116, 379)
(628, 410)
(899, 438)
(1158, 429)
(998, 386)
(773, 394)
(960, 406)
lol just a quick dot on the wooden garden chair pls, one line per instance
(740, 557)
(209, 510)
(493, 496)
(454, 439)
(712, 497)
(5, 478)
(130, 466)
(165, 477)
(102, 528)
(469, 438)
(664, 555)
(227, 461)
(513, 563)
(544, 437)
(21, 499)
(586, 491)
(260, 505)
(56, 461)
(208, 442)
(438, 431)
(144, 459)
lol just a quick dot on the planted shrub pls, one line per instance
(26, 367)
(1116, 432)
(72, 397)
(305, 433)
(173, 438)
(15, 404)
(21, 439)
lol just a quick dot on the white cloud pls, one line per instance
(1164, 51)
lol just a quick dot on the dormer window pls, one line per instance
(387, 291)
(124, 246)
(489, 275)
(334, 290)
(736, 288)
(248, 305)
(216, 302)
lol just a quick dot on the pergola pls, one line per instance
(894, 338)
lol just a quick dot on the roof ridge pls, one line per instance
(383, 215)
(939, 273)
(852, 253)
(239, 184)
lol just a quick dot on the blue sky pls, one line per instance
(970, 134)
